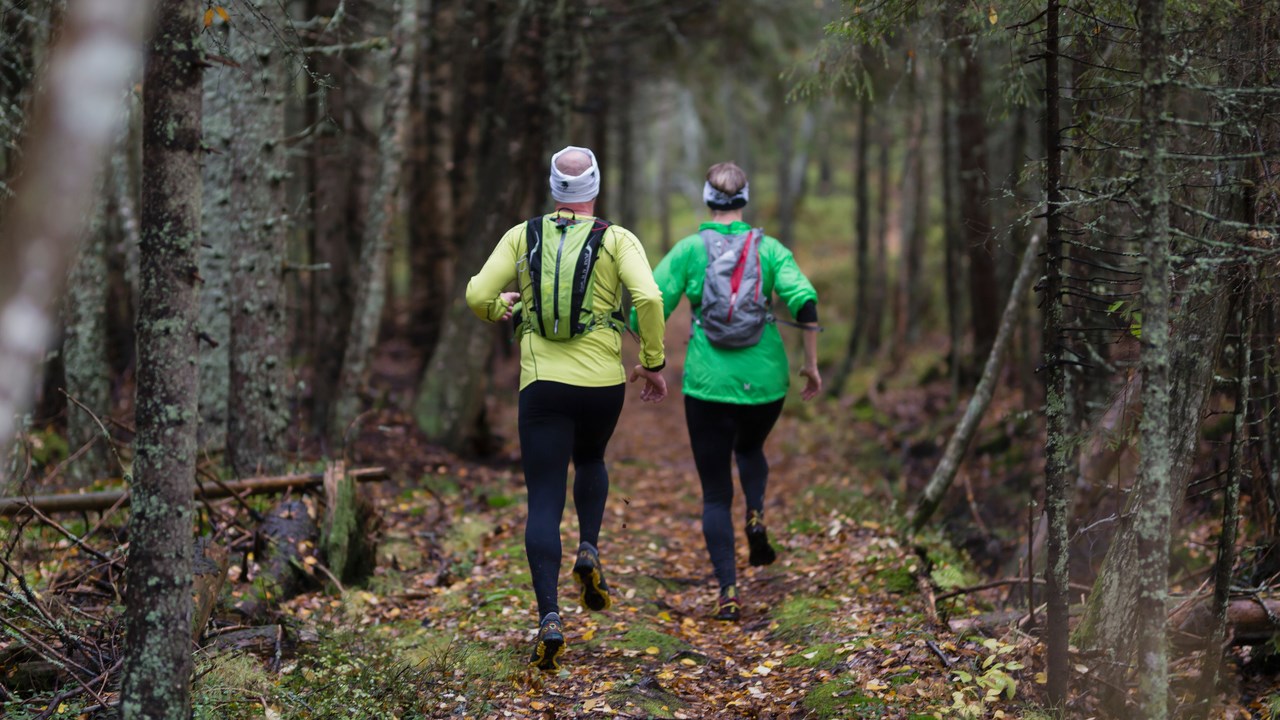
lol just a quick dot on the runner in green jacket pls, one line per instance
(733, 396)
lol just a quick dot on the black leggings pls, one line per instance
(718, 432)
(559, 422)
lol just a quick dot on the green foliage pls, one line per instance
(977, 690)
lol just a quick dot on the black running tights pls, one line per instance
(559, 422)
(719, 432)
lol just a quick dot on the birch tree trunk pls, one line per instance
(257, 412)
(383, 207)
(74, 123)
(949, 465)
(157, 665)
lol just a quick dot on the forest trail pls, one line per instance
(832, 629)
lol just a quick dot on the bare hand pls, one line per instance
(655, 386)
(510, 298)
(813, 383)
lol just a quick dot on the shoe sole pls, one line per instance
(594, 596)
(762, 553)
(547, 651)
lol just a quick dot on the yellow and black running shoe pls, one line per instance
(549, 643)
(758, 540)
(728, 607)
(595, 591)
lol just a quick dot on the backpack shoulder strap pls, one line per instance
(585, 267)
(533, 258)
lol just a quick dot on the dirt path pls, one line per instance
(818, 637)
(830, 630)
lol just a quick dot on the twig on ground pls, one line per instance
(946, 661)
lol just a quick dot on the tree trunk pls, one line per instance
(1058, 448)
(84, 349)
(157, 666)
(218, 228)
(911, 245)
(337, 167)
(947, 468)
(383, 209)
(257, 412)
(862, 246)
(984, 292)
(950, 228)
(879, 277)
(430, 211)
(44, 222)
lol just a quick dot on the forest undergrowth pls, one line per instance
(855, 620)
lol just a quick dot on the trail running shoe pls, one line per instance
(549, 643)
(758, 540)
(727, 607)
(595, 591)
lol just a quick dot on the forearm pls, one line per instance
(810, 344)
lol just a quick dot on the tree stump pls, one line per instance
(348, 536)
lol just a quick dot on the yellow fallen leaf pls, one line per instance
(992, 16)
(875, 684)
(1042, 678)
(687, 662)
(664, 615)
(208, 17)
(651, 650)
(590, 633)
(538, 705)
(222, 13)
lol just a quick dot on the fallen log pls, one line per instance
(1250, 621)
(286, 539)
(10, 506)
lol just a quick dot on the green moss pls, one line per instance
(803, 618)
(842, 698)
(822, 655)
(642, 638)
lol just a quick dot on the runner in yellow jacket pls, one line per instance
(571, 384)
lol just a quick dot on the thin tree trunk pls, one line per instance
(257, 412)
(157, 666)
(950, 228)
(45, 221)
(383, 208)
(911, 245)
(862, 246)
(984, 291)
(1058, 448)
(879, 278)
(947, 468)
(84, 348)
(1237, 475)
(1151, 523)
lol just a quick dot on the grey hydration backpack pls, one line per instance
(734, 309)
